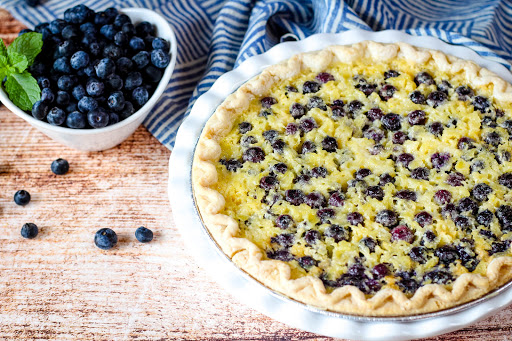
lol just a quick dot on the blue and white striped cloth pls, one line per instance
(214, 36)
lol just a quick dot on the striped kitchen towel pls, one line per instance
(214, 36)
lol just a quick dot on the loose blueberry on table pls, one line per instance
(105, 238)
(96, 68)
(143, 235)
(21, 197)
(372, 217)
(29, 231)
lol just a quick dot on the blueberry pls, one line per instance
(127, 111)
(399, 137)
(56, 116)
(159, 43)
(105, 238)
(485, 218)
(113, 51)
(143, 235)
(244, 127)
(78, 92)
(406, 194)
(315, 200)
(98, 118)
(120, 20)
(366, 88)
(374, 114)
(316, 102)
(47, 96)
(152, 74)
(311, 236)
(79, 60)
(337, 232)
(133, 80)
(438, 277)
(436, 98)
(497, 247)
(380, 271)
(310, 87)
(391, 122)
(65, 83)
(94, 87)
(291, 128)
(60, 166)
(137, 44)
(324, 77)
(417, 97)
(493, 138)
(455, 179)
(481, 103)
(72, 106)
(76, 120)
(62, 98)
(268, 182)
(282, 255)
(253, 154)
(436, 128)
(29, 230)
(505, 179)
(467, 204)
(280, 168)
(25, 30)
(232, 165)
(302, 179)
(465, 143)
(406, 283)
(297, 110)
(375, 192)
(21, 197)
(481, 191)
(464, 93)
(423, 78)
(391, 74)
(386, 92)
(336, 199)
(319, 172)
(504, 214)
(329, 144)
(307, 262)
(115, 82)
(462, 222)
(62, 65)
(145, 28)
(354, 107)
(439, 160)
(160, 58)
(116, 101)
(89, 71)
(141, 59)
(442, 197)
(43, 82)
(105, 68)
(337, 110)
(447, 254)
(417, 117)
(420, 173)
(140, 95)
(88, 27)
(295, 196)
(70, 32)
(308, 147)
(355, 218)
(386, 218)
(86, 104)
(444, 86)
(402, 232)
(417, 254)
(386, 179)
(404, 159)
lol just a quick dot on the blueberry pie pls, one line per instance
(369, 179)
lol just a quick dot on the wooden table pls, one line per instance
(60, 286)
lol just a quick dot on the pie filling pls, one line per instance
(386, 175)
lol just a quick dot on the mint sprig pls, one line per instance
(19, 84)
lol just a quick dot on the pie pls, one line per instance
(371, 179)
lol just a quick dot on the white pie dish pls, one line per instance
(252, 292)
(110, 136)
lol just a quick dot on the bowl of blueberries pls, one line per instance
(100, 73)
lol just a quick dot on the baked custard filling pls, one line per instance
(376, 175)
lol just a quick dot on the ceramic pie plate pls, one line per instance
(209, 255)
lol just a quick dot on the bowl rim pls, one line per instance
(153, 17)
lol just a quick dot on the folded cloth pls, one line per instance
(215, 36)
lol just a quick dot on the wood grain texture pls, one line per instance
(60, 286)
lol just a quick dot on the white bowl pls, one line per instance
(110, 136)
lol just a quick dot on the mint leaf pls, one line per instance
(28, 44)
(23, 90)
(3, 49)
(5, 68)
(18, 61)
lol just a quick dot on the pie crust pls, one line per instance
(276, 274)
